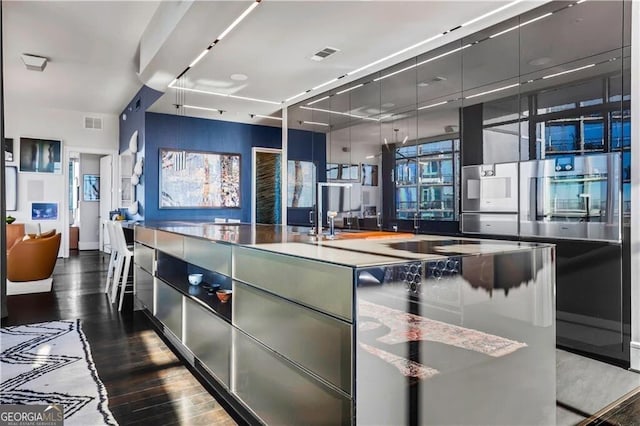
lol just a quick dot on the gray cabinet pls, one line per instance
(209, 339)
(144, 287)
(316, 341)
(279, 392)
(169, 307)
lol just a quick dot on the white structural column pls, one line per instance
(635, 186)
(283, 165)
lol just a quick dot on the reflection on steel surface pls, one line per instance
(407, 327)
(407, 367)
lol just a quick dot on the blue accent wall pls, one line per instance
(171, 131)
(135, 113)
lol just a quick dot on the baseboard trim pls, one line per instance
(28, 287)
(91, 245)
(635, 356)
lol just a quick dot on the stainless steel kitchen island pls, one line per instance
(376, 328)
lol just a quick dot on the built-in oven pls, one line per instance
(574, 197)
(490, 199)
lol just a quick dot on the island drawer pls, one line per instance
(169, 243)
(324, 286)
(209, 339)
(143, 257)
(145, 236)
(208, 255)
(316, 341)
(281, 393)
(169, 307)
(144, 287)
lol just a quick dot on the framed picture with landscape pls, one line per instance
(196, 179)
(8, 150)
(44, 211)
(91, 188)
(40, 156)
(301, 184)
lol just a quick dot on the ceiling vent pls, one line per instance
(327, 51)
(93, 123)
(34, 62)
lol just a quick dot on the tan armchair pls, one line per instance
(15, 232)
(32, 260)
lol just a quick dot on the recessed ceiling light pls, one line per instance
(225, 95)
(388, 105)
(317, 123)
(270, 117)
(499, 89)
(200, 108)
(568, 71)
(239, 77)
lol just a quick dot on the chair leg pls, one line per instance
(112, 259)
(116, 278)
(125, 276)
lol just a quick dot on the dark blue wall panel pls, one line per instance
(170, 131)
(307, 146)
(135, 120)
(135, 113)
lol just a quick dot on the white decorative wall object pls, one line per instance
(135, 179)
(137, 169)
(133, 142)
(133, 208)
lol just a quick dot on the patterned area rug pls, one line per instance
(50, 363)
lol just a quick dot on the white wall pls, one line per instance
(68, 127)
(89, 210)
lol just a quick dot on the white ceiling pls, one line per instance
(273, 45)
(92, 50)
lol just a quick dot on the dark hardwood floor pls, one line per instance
(146, 382)
(624, 412)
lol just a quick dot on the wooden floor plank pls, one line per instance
(146, 382)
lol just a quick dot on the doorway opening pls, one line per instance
(266, 199)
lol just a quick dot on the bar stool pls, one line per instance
(123, 263)
(112, 257)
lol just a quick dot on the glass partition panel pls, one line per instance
(491, 90)
(546, 83)
(439, 100)
(398, 98)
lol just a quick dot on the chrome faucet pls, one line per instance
(416, 226)
(318, 212)
(312, 220)
(331, 215)
(379, 221)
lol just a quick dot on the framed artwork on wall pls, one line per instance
(369, 175)
(343, 172)
(301, 184)
(196, 179)
(40, 156)
(44, 211)
(91, 188)
(8, 150)
(11, 187)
